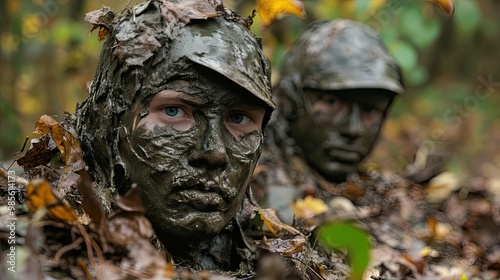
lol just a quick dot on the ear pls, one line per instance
(120, 179)
(289, 97)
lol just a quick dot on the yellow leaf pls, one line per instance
(448, 6)
(39, 194)
(308, 207)
(428, 252)
(103, 33)
(270, 10)
(273, 223)
(442, 186)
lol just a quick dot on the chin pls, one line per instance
(193, 226)
(336, 172)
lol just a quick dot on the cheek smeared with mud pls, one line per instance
(185, 199)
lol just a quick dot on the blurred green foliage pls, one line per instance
(450, 66)
(344, 235)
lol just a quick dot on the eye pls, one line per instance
(328, 105)
(370, 114)
(243, 121)
(174, 112)
(239, 118)
(368, 109)
(330, 100)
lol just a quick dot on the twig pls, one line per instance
(67, 248)
(90, 243)
(308, 266)
(22, 149)
(18, 180)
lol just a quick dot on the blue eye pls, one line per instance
(239, 118)
(173, 111)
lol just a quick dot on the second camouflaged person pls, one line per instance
(336, 85)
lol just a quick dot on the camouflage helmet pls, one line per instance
(149, 47)
(229, 49)
(337, 55)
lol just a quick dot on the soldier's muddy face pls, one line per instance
(337, 129)
(192, 155)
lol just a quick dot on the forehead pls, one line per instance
(211, 90)
(361, 95)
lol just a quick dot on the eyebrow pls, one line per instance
(184, 97)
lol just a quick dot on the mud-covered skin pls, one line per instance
(202, 51)
(347, 60)
(193, 182)
(339, 129)
(142, 55)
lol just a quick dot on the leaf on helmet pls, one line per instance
(308, 207)
(39, 194)
(448, 6)
(101, 19)
(270, 10)
(103, 33)
(273, 223)
(184, 11)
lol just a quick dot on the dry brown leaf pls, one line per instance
(90, 202)
(270, 10)
(414, 262)
(39, 194)
(182, 12)
(128, 222)
(273, 223)
(283, 246)
(103, 33)
(308, 207)
(101, 19)
(41, 152)
(131, 201)
(66, 143)
(432, 224)
(259, 169)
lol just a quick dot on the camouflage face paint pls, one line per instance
(339, 129)
(192, 182)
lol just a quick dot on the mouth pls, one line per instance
(201, 195)
(344, 155)
(199, 200)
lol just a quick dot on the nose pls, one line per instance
(353, 127)
(212, 152)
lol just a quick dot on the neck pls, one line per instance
(208, 254)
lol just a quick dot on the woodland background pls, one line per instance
(451, 68)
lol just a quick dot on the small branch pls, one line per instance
(18, 180)
(67, 248)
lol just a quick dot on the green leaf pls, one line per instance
(257, 220)
(418, 28)
(418, 76)
(344, 235)
(467, 15)
(404, 54)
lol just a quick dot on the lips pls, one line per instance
(202, 195)
(347, 155)
(201, 201)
